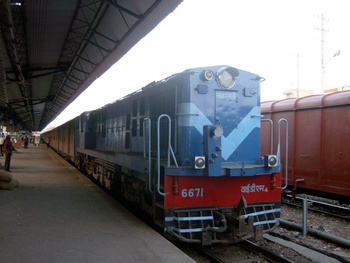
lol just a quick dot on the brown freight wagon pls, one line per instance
(318, 142)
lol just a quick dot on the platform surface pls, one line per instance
(56, 214)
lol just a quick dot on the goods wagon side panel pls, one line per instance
(336, 150)
(307, 147)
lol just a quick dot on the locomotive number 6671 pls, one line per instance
(186, 149)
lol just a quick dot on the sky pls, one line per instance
(280, 40)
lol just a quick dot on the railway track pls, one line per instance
(208, 255)
(247, 251)
(319, 206)
(269, 255)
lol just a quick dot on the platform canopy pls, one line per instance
(52, 50)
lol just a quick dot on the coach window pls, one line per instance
(134, 118)
(142, 106)
(101, 123)
(134, 128)
(134, 108)
(81, 123)
(142, 114)
(128, 117)
(141, 126)
(127, 132)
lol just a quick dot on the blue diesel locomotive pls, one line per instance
(186, 150)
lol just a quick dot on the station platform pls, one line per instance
(56, 214)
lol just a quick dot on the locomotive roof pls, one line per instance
(167, 79)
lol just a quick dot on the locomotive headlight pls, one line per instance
(270, 160)
(226, 77)
(218, 131)
(208, 75)
(199, 162)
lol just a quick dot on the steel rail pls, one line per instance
(314, 205)
(268, 254)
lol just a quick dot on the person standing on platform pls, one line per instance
(7, 148)
(2, 139)
(26, 141)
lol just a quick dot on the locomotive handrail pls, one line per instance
(279, 148)
(271, 133)
(257, 116)
(148, 120)
(170, 149)
(187, 114)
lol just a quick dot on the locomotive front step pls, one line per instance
(196, 225)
